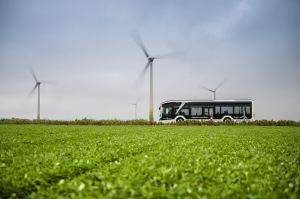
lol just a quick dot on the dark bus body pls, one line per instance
(218, 110)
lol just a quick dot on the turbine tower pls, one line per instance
(135, 109)
(38, 86)
(214, 91)
(149, 65)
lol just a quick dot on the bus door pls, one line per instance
(208, 112)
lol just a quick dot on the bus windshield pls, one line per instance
(168, 110)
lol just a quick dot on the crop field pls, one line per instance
(51, 161)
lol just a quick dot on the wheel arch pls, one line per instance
(180, 117)
(227, 116)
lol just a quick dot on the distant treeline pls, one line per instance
(145, 122)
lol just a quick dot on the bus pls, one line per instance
(215, 110)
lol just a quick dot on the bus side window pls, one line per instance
(238, 110)
(196, 110)
(185, 111)
(217, 110)
(226, 109)
(248, 109)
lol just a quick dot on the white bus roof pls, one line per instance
(228, 100)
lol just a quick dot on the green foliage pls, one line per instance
(50, 161)
(84, 121)
(116, 122)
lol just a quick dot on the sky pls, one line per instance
(85, 48)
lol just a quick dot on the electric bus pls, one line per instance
(215, 110)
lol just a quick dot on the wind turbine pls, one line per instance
(38, 86)
(135, 109)
(135, 104)
(214, 91)
(149, 65)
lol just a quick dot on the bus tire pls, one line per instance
(180, 119)
(227, 119)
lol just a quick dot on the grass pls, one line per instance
(48, 161)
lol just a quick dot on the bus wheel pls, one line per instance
(227, 119)
(179, 119)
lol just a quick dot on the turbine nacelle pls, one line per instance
(151, 59)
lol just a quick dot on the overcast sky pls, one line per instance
(86, 48)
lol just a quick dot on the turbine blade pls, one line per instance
(221, 84)
(167, 55)
(210, 90)
(32, 90)
(142, 74)
(33, 75)
(140, 43)
(48, 82)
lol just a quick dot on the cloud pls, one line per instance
(87, 49)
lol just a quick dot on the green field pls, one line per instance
(149, 161)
